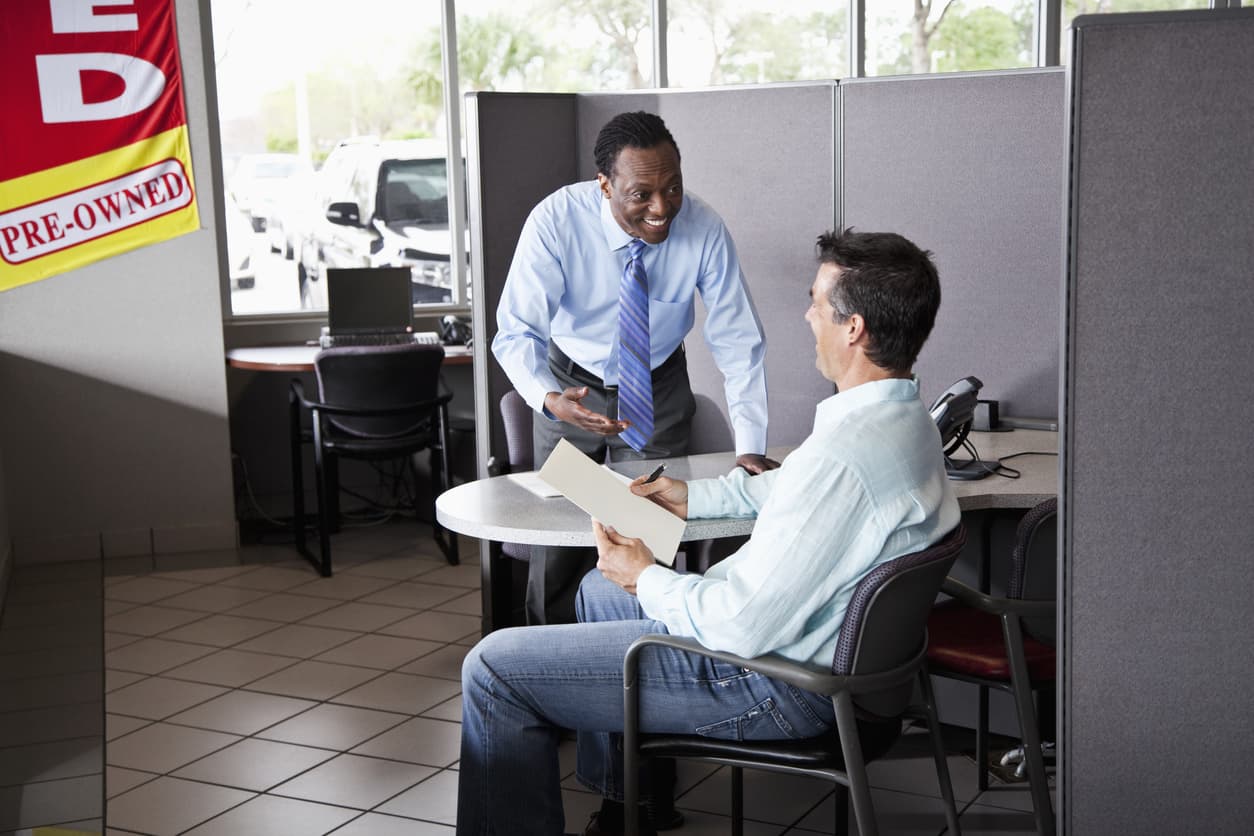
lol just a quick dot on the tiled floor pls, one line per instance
(246, 695)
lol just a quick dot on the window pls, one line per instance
(712, 42)
(554, 45)
(937, 36)
(297, 80)
(300, 79)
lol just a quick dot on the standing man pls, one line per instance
(867, 486)
(591, 324)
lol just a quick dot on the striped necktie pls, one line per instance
(635, 376)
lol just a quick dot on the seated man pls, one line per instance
(868, 485)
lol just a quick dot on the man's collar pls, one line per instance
(875, 391)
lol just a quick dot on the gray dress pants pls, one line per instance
(554, 574)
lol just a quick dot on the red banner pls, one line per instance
(94, 158)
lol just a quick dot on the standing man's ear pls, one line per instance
(604, 182)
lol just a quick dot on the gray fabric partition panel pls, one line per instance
(1158, 734)
(520, 147)
(970, 167)
(763, 157)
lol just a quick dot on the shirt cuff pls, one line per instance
(651, 588)
(701, 498)
(750, 440)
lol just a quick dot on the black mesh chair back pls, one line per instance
(886, 621)
(381, 377)
(878, 660)
(374, 403)
(1034, 567)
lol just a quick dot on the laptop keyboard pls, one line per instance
(341, 340)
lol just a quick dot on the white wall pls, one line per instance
(114, 425)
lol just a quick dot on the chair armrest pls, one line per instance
(994, 604)
(776, 667)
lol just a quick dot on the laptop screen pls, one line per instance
(369, 300)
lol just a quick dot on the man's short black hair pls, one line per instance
(629, 130)
(892, 284)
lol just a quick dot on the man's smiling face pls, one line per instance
(646, 191)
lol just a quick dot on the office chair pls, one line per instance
(879, 658)
(519, 452)
(374, 403)
(1007, 642)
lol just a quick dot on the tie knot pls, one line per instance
(636, 247)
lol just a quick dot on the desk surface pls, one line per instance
(499, 509)
(300, 358)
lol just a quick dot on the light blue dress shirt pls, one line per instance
(866, 486)
(563, 286)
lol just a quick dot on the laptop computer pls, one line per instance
(370, 306)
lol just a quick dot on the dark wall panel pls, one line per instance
(763, 157)
(520, 147)
(970, 167)
(1158, 733)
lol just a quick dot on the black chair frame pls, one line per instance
(1020, 688)
(1012, 612)
(859, 733)
(327, 447)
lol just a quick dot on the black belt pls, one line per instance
(560, 362)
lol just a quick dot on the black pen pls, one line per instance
(653, 476)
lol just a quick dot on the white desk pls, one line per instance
(499, 510)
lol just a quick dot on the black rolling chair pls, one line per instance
(878, 660)
(1007, 642)
(374, 403)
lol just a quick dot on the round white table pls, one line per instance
(500, 510)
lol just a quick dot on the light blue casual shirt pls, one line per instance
(563, 286)
(866, 486)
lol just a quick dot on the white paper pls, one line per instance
(532, 482)
(602, 493)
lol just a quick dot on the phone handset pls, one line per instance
(954, 412)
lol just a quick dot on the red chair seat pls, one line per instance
(970, 642)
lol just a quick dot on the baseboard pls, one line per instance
(195, 538)
(58, 549)
(121, 543)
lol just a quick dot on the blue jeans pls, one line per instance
(522, 686)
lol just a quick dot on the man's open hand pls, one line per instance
(566, 406)
(755, 463)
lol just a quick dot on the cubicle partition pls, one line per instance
(1157, 728)
(970, 167)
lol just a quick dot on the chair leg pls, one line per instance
(445, 539)
(981, 740)
(321, 465)
(841, 824)
(298, 476)
(1038, 782)
(738, 800)
(855, 766)
(938, 753)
